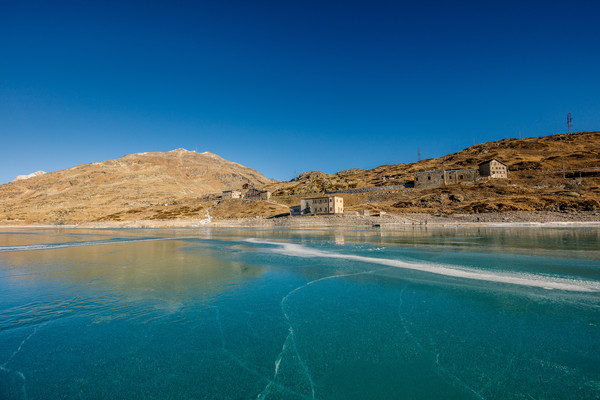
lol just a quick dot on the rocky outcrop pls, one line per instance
(32, 175)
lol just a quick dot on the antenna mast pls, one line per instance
(570, 123)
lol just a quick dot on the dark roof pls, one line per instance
(321, 197)
(493, 159)
(445, 170)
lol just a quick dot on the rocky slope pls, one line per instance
(528, 159)
(94, 191)
(536, 179)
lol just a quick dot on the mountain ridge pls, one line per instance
(93, 190)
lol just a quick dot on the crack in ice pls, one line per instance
(290, 337)
(243, 364)
(20, 346)
(19, 373)
(511, 362)
(437, 363)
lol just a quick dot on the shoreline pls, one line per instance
(508, 219)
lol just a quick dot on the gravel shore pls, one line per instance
(384, 221)
(508, 218)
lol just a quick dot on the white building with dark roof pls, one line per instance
(493, 169)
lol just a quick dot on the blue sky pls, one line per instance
(288, 87)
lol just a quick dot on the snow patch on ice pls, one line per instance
(531, 280)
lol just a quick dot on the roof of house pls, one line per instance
(462, 169)
(258, 191)
(445, 170)
(493, 159)
(322, 197)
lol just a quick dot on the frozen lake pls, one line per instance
(218, 313)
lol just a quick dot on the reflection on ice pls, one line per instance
(55, 246)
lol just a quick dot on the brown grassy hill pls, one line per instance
(526, 158)
(135, 182)
(536, 179)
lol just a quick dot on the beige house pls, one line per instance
(322, 205)
(434, 179)
(256, 194)
(493, 169)
(231, 194)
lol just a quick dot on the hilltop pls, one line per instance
(141, 181)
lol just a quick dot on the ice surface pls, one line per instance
(213, 316)
(545, 282)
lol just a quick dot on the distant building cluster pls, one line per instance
(249, 194)
(334, 205)
(257, 194)
(493, 169)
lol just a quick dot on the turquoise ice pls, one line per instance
(416, 313)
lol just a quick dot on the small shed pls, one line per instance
(295, 210)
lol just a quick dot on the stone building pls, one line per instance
(438, 178)
(429, 179)
(322, 205)
(493, 169)
(460, 175)
(231, 194)
(257, 194)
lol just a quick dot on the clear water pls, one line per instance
(209, 313)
